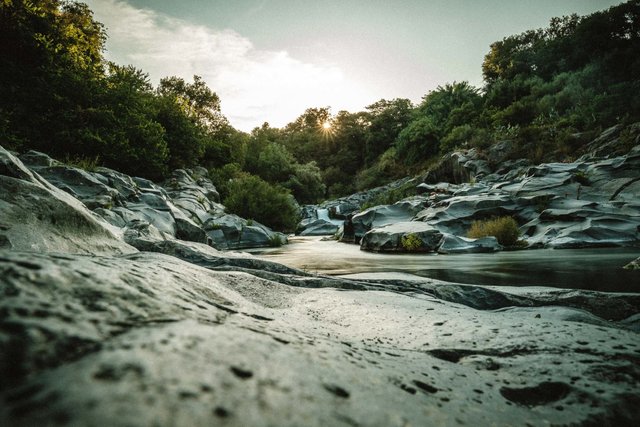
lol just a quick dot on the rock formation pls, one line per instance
(591, 202)
(186, 206)
(96, 332)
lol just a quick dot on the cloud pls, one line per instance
(254, 85)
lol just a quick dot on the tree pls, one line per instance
(196, 100)
(306, 183)
(253, 198)
(386, 119)
(50, 66)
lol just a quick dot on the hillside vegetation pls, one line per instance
(548, 90)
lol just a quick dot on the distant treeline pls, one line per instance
(547, 90)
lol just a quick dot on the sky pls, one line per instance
(270, 60)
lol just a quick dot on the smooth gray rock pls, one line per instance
(35, 215)
(232, 232)
(189, 201)
(186, 228)
(389, 238)
(147, 339)
(583, 224)
(456, 214)
(382, 215)
(81, 184)
(451, 244)
(318, 227)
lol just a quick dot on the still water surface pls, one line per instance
(593, 269)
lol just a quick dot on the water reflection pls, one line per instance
(593, 269)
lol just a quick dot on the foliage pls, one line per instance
(306, 184)
(547, 90)
(85, 163)
(276, 241)
(504, 229)
(253, 198)
(223, 176)
(411, 242)
(384, 121)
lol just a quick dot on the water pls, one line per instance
(324, 214)
(592, 269)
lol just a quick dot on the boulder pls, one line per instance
(379, 216)
(451, 244)
(456, 214)
(318, 227)
(232, 232)
(81, 184)
(408, 236)
(36, 216)
(594, 225)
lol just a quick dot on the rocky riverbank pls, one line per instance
(591, 202)
(104, 324)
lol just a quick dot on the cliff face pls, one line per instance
(96, 332)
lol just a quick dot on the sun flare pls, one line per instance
(326, 126)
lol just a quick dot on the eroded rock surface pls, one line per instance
(186, 206)
(408, 236)
(147, 339)
(35, 215)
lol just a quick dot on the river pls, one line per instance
(592, 269)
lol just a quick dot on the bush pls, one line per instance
(504, 229)
(255, 199)
(306, 183)
(411, 242)
(89, 164)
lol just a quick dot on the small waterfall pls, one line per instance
(323, 213)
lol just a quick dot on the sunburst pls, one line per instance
(326, 128)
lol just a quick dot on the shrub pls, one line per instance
(275, 241)
(89, 164)
(504, 229)
(253, 198)
(411, 242)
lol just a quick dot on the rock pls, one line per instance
(451, 244)
(456, 214)
(37, 159)
(125, 185)
(35, 215)
(318, 227)
(186, 228)
(440, 188)
(232, 232)
(610, 144)
(349, 205)
(449, 169)
(408, 236)
(379, 216)
(189, 201)
(633, 265)
(149, 339)
(81, 185)
(183, 334)
(589, 225)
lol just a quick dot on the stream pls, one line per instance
(592, 269)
